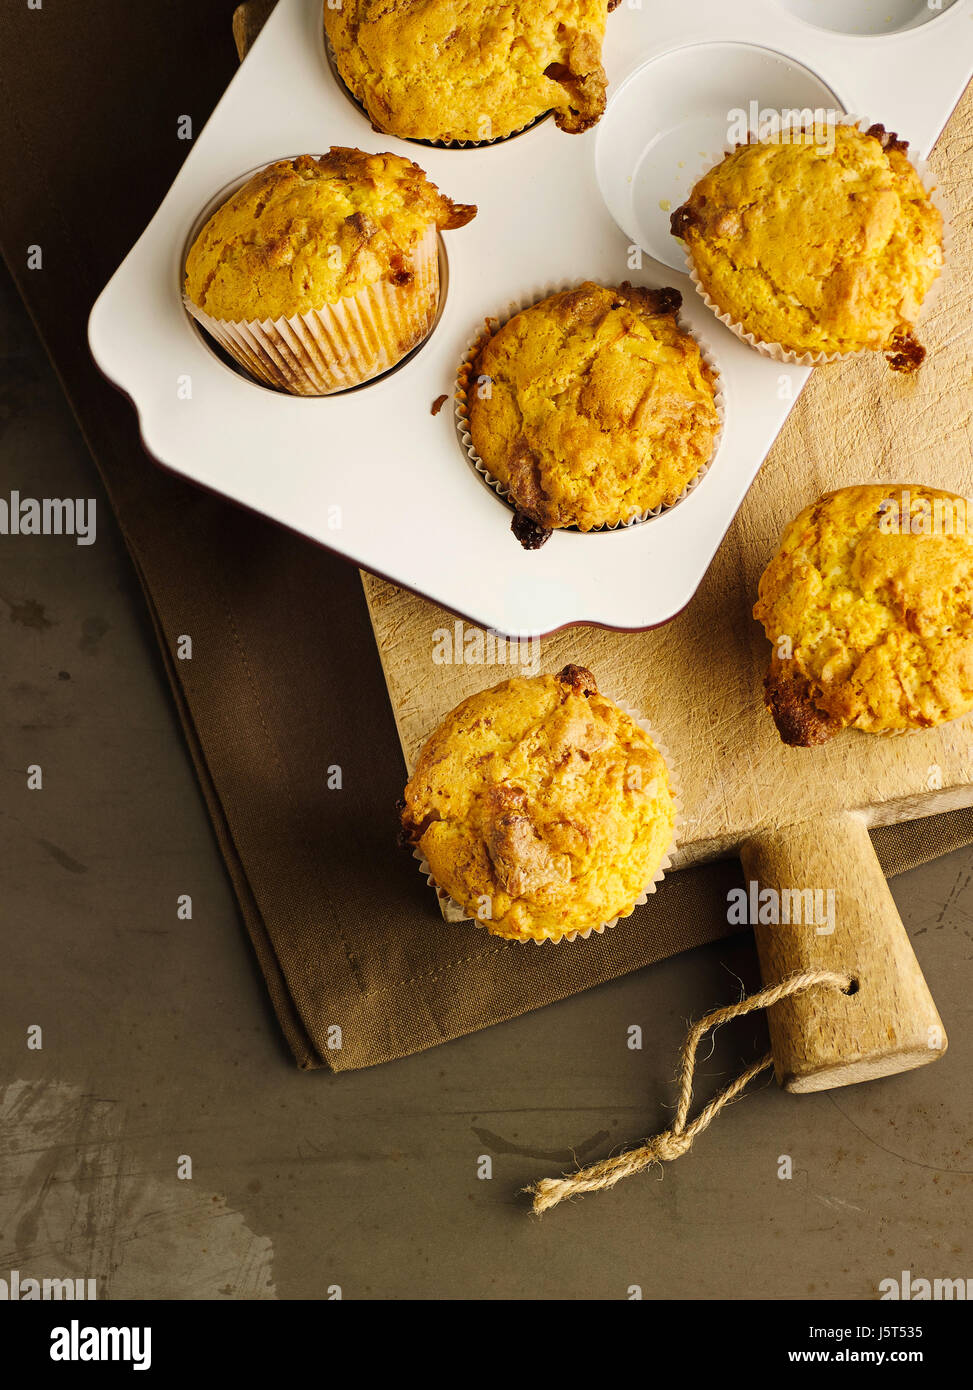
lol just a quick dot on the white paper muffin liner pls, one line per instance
(457, 912)
(493, 324)
(415, 139)
(820, 359)
(339, 345)
(913, 729)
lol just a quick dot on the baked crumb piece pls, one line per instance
(907, 353)
(800, 723)
(578, 679)
(531, 534)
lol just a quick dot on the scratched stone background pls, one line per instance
(159, 1040)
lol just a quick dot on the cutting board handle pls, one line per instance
(829, 907)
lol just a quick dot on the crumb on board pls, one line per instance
(438, 404)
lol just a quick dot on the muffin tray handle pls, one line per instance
(846, 921)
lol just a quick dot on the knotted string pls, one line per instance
(678, 1139)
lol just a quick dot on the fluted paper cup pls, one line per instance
(461, 410)
(819, 359)
(455, 912)
(342, 344)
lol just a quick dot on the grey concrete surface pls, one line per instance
(158, 1041)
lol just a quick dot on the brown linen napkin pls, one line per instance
(284, 681)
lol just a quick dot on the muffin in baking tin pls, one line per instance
(319, 273)
(592, 407)
(471, 71)
(825, 243)
(541, 807)
(869, 606)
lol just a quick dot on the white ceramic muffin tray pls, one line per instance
(371, 473)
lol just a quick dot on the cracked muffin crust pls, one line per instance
(304, 233)
(541, 807)
(814, 249)
(592, 406)
(471, 69)
(869, 606)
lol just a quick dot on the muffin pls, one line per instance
(541, 807)
(318, 274)
(446, 70)
(814, 249)
(592, 407)
(869, 606)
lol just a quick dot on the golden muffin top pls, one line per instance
(869, 605)
(593, 406)
(471, 69)
(817, 249)
(306, 232)
(540, 807)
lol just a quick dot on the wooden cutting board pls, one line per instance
(698, 679)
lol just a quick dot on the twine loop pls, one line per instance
(678, 1139)
(668, 1146)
